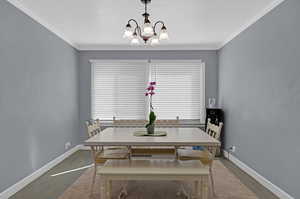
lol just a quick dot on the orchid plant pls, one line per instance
(149, 93)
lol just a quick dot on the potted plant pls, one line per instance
(152, 117)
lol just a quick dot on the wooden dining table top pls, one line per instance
(175, 137)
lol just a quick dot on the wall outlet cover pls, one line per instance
(232, 149)
(67, 145)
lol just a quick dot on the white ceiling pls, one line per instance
(192, 24)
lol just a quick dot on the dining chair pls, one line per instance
(101, 154)
(207, 155)
(128, 123)
(170, 123)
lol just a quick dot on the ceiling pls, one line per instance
(192, 24)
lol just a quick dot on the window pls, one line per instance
(179, 90)
(118, 89)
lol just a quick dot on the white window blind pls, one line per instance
(180, 89)
(118, 89)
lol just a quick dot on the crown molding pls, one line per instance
(257, 17)
(149, 48)
(18, 4)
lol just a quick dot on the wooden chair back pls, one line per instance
(97, 125)
(125, 123)
(142, 123)
(214, 130)
(168, 123)
(93, 127)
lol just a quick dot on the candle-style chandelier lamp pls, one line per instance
(147, 32)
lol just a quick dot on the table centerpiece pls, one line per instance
(152, 117)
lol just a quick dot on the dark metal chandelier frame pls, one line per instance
(147, 32)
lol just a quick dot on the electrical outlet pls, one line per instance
(232, 149)
(67, 145)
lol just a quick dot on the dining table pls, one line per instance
(177, 137)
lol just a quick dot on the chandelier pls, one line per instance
(147, 32)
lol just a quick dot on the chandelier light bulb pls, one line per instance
(135, 40)
(163, 35)
(154, 40)
(128, 31)
(147, 29)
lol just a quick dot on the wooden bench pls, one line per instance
(174, 170)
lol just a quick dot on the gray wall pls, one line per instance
(259, 88)
(38, 95)
(209, 57)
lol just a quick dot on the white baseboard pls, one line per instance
(25, 181)
(259, 178)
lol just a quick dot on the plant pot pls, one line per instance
(150, 129)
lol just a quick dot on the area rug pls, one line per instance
(227, 186)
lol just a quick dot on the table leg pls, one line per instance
(182, 191)
(204, 187)
(123, 192)
(130, 152)
(176, 152)
(108, 188)
(196, 189)
(103, 187)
